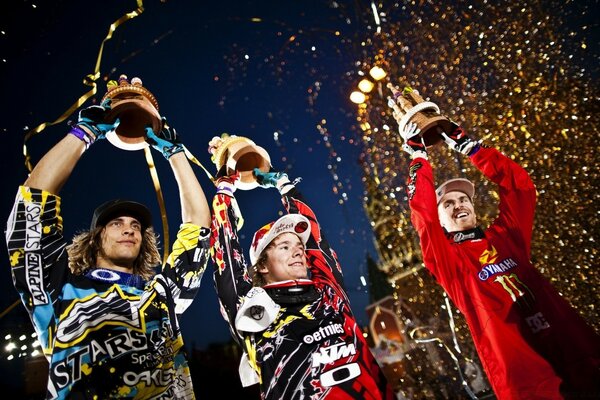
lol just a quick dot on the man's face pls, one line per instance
(456, 212)
(285, 259)
(121, 240)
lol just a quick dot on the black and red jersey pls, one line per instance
(314, 348)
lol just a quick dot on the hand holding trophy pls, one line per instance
(237, 154)
(126, 110)
(409, 107)
(135, 108)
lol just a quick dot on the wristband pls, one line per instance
(474, 150)
(82, 135)
(284, 185)
(226, 188)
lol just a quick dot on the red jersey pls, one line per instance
(531, 342)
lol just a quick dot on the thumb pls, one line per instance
(447, 138)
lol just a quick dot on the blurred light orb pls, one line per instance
(377, 73)
(357, 97)
(366, 85)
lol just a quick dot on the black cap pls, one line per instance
(116, 208)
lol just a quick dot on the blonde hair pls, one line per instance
(85, 247)
(258, 278)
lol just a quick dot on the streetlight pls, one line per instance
(357, 97)
(366, 85)
(377, 73)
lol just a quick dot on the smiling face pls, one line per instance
(121, 239)
(286, 259)
(456, 212)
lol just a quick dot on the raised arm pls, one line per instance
(194, 206)
(231, 275)
(438, 255)
(190, 251)
(55, 167)
(517, 193)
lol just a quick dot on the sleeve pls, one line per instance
(186, 264)
(517, 194)
(231, 277)
(438, 253)
(323, 261)
(38, 260)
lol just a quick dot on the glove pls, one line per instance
(415, 147)
(226, 184)
(411, 129)
(270, 179)
(413, 142)
(166, 141)
(459, 141)
(91, 125)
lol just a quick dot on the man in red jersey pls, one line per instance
(532, 343)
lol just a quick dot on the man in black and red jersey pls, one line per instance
(289, 310)
(531, 342)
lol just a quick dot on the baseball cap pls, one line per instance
(457, 184)
(114, 208)
(292, 223)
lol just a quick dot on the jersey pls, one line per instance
(105, 334)
(531, 342)
(313, 349)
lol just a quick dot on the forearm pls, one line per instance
(53, 170)
(231, 277)
(421, 195)
(502, 170)
(194, 206)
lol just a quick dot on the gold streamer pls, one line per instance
(89, 80)
(9, 308)
(161, 202)
(193, 159)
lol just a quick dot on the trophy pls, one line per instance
(239, 154)
(136, 108)
(409, 106)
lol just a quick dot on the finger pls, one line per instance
(150, 132)
(106, 104)
(446, 138)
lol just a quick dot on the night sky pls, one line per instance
(280, 73)
(269, 70)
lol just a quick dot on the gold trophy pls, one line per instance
(239, 154)
(136, 108)
(409, 106)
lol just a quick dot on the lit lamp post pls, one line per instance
(366, 86)
(377, 73)
(357, 97)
